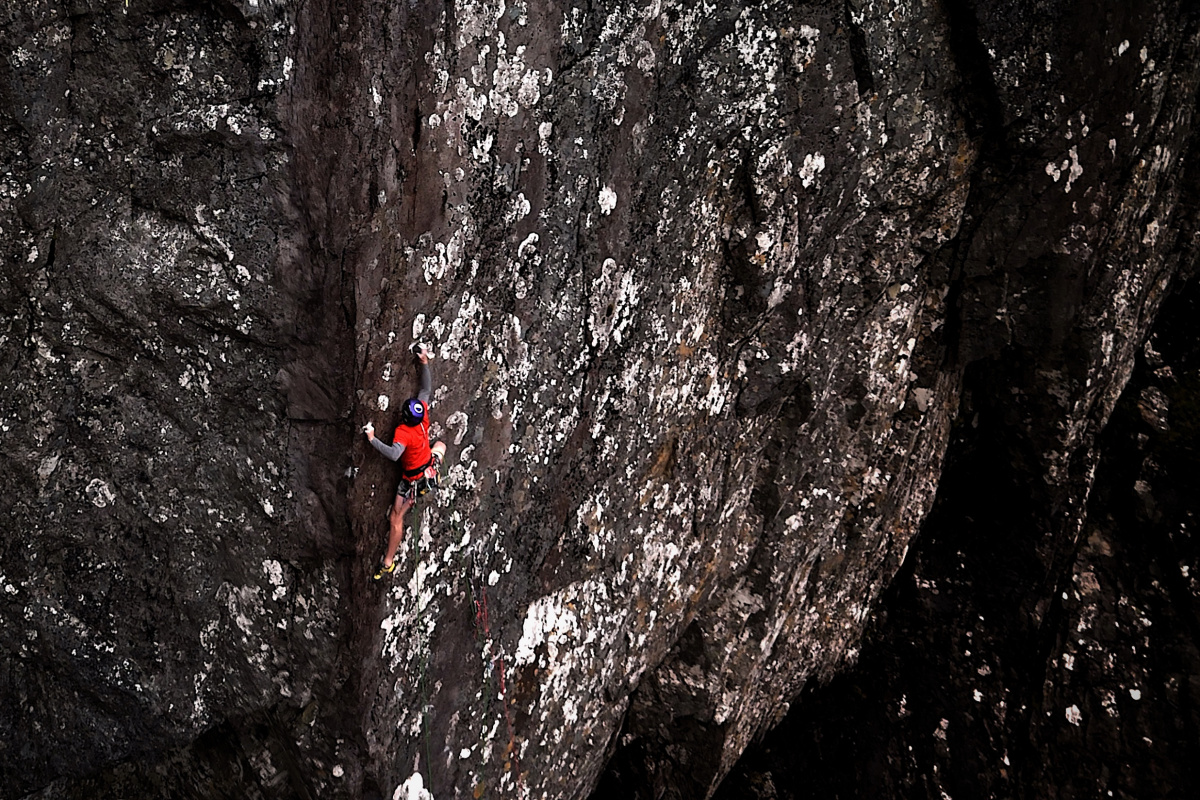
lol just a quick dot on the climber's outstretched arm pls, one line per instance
(426, 378)
(389, 451)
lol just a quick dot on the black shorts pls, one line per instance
(428, 481)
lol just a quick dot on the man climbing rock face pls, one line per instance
(419, 462)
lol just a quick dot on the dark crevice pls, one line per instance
(416, 134)
(859, 56)
(980, 98)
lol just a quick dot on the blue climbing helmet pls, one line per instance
(414, 411)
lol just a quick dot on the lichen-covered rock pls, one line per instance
(949, 697)
(688, 299)
(171, 510)
(1013, 655)
(700, 282)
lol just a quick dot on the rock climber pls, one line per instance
(419, 462)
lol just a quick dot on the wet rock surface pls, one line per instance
(704, 285)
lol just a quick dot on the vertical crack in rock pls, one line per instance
(982, 106)
(859, 56)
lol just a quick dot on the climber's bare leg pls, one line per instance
(396, 533)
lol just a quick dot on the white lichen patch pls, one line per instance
(613, 304)
(528, 245)
(457, 422)
(274, 572)
(99, 493)
(518, 208)
(1150, 237)
(804, 46)
(1069, 166)
(46, 468)
(412, 789)
(608, 200)
(245, 606)
(814, 164)
(1074, 170)
(549, 621)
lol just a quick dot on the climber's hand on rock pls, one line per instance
(422, 353)
(369, 430)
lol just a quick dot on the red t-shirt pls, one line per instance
(415, 439)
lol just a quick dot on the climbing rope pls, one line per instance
(495, 672)
(423, 645)
(496, 663)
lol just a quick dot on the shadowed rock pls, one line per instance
(704, 288)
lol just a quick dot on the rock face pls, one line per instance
(1041, 638)
(962, 689)
(174, 528)
(704, 284)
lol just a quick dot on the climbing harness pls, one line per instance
(421, 481)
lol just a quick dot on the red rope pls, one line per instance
(483, 620)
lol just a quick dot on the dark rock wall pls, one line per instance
(171, 367)
(961, 691)
(1040, 642)
(704, 285)
(675, 280)
(1045, 323)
